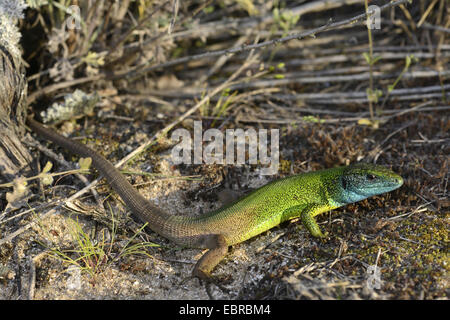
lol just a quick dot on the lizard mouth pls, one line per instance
(394, 180)
(385, 183)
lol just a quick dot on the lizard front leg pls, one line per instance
(307, 217)
(306, 212)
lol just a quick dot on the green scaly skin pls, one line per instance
(305, 195)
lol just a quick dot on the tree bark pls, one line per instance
(15, 159)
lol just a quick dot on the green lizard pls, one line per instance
(305, 195)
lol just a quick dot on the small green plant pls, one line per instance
(408, 60)
(221, 107)
(277, 70)
(374, 95)
(88, 255)
(136, 248)
(91, 255)
(248, 6)
(285, 20)
(312, 119)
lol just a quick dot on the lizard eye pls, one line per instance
(371, 177)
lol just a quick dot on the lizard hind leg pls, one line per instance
(218, 249)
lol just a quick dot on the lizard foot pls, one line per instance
(207, 280)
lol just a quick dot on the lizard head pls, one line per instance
(364, 180)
